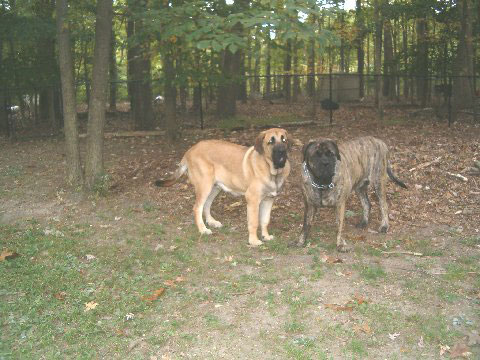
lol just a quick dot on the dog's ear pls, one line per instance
(305, 148)
(336, 151)
(259, 143)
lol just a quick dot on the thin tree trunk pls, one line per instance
(378, 58)
(74, 168)
(94, 168)
(422, 61)
(296, 78)
(268, 64)
(311, 62)
(287, 67)
(113, 73)
(359, 44)
(171, 123)
(388, 78)
(463, 92)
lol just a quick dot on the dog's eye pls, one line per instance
(284, 139)
(271, 141)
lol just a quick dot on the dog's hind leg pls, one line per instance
(206, 208)
(381, 192)
(265, 210)
(366, 206)
(202, 191)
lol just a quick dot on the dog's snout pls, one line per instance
(279, 156)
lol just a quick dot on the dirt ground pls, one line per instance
(379, 301)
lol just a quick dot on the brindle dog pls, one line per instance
(331, 172)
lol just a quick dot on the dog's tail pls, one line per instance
(392, 176)
(181, 169)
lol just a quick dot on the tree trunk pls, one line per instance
(359, 20)
(256, 64)
(406, 80)
(342, 43)
(169, 73)
(463, 91)
(74, 168)
(311, 63)
(388, 78)
(226, 94)
(94, 169)
(287, 67)
(296, 78)
(268, 64)
(113, 73)
(378, 58)
(140, 72)
(3, 95)
(422, 61)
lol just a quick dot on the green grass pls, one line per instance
(40, 322)
(217, 296)
(371, 272)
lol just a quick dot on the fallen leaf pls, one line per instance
(393, 336)
(60, 295)
(90, 306)
(444, 349)
(331, 260)
(179, 279)
(420, 342)
(338, 307)
(8, 255)
(156, 294)
(169, 283)
(359, 299)
(460, 350)
(365, 328)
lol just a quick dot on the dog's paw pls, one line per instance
(362, 224)
(383, 229)
(255, 242)
(206, 232)
(214, 223)
(343, 248)
(267, 237)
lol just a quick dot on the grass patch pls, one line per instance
(371, 272)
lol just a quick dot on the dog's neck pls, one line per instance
(327, 185)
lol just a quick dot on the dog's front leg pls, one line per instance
(341, 244)
(253, 206)
(265, 211)
(308, 217)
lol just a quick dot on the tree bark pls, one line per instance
(287, 67)
(94, 168)
(422, 61)
(378, 58)
(268, 64)
(359, 20)
(388, 77)
(463, 91)
(113, 73)
(171, 125)
(74, 168)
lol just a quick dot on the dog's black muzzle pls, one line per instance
(279, 156)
